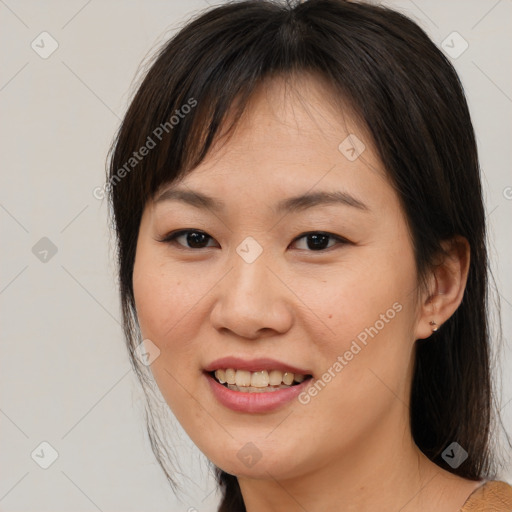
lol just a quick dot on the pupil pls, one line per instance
(316, 238)
(195, 239)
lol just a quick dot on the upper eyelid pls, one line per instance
(175, 234)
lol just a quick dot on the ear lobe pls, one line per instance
(448, 282)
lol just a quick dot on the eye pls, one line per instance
(195, 239)
(319, 240)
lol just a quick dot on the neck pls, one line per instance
(383, 471)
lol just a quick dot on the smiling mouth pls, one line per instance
(262, 381)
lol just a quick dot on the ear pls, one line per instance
(446, 285)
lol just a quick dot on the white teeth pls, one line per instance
(252, 381)
(230, 376)
(288, 378)
(243, 378)
(275, 377)
(251, 389)
(221, 376)
(259, 379)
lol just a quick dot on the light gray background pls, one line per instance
(64, 373)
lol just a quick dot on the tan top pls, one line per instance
(493, 496)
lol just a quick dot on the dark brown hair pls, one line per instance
(408, 96)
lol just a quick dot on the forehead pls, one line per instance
(304, 107)
(294, 135)
(296, 138)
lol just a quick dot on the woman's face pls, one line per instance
(249, 283)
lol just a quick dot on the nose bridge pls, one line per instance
(249, 283)
(250, 279)
(250, 273)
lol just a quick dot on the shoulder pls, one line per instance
(492, 496)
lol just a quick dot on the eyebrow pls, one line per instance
(289, 205)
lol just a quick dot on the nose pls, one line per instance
(251, 301)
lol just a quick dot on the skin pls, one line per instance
(350, 448)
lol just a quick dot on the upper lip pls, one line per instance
(254, 365)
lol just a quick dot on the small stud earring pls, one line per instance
(434, 329)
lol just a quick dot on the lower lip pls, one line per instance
(255, 402)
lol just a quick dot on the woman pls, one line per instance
(296, 197)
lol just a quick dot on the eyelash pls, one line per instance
(171, 239)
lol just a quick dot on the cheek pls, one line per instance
(366, 294)
(156, 307)
(164, 295)
(367, 315)
(170, 301)
(365, 356)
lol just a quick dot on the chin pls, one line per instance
(250, 462)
